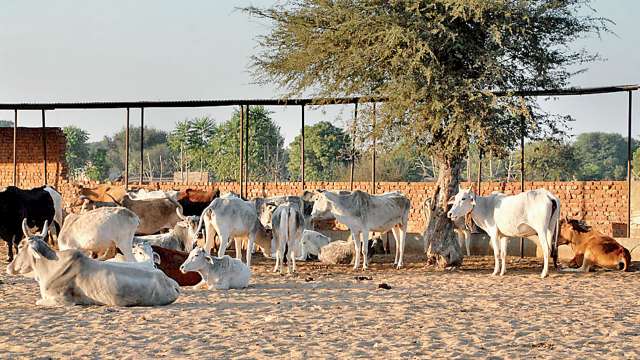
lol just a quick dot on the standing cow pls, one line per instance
(287, 224)
(36, 205)
(531, 214)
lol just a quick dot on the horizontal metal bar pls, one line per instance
(284, 102)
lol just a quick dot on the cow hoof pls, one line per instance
(495, 273)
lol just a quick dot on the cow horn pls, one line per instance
(45, 229)
(25, 228)
(180, 214)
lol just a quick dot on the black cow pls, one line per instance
(35, 205)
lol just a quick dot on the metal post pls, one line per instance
(479, 181)
(302, 151)
(44, 146)
(246, 156)
(141, 146)
(629, 167)
(373, 154)
(241, 151)
(522, 134)
(353, 147)
(15, 153)
(126, 153)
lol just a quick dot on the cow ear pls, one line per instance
(208, 258)
(156, 258)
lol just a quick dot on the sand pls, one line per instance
(325, 312)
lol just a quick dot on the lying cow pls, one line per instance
(143, 254)
(99, 230)
(88, 204)
(591, 248)
(71, 278)
(155, 214)
(222, 272)
(533, 214)
(170, 261)
(363, 213)
(311, 243)
(181, 237)
(342, 252)
(100, 193)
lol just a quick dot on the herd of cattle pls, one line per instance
(138, 247)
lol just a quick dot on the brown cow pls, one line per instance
(100, 193)
(591, 248)
(195, 201)
(170, 261)
(155, 214)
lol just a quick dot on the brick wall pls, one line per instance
(603, 204)
(30, 157)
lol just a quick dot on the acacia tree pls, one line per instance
(437, 62)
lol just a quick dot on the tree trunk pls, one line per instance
(441, 244)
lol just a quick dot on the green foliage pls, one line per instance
(77, 150)
(602, 156)
(326, 150)
(97, 168)
(115, 149)
(549, 160)
(6, 123)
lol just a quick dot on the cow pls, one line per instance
(235, 218)
(155, 214)
(362, 213)
(170, 261)
(100, 229)
(71, 278)
(222, 272)
(36, 205)
(287, 224)
(311, 243)
(266, 206)
(143, 194)
(181, 237)
(591, 248)
(143, 254)
(531, 214)
(88, 204)
(101, 192)
(195, 201)
(58, 217)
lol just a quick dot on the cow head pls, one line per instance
(462, 203)
(33, 248)
(321, 206)
(143, 252)
(570, 230)
(197, 259)
(191, 224)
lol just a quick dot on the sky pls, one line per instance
(77, 50)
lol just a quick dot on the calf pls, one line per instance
(170, 261)
(181, 237)
(71, 278)
(311, 243)
(223, 272)
(592, 248)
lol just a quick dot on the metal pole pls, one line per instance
(241, 151)
(373, 155)
(479, 181)
(44, 146)
(353, 147)
(246, 156)
(141, 145)
(522, 134)
(15, 153)
(302, 151)
(629, 167)
(126, 153)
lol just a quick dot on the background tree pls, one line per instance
(77, 151)
(6, 123)
(601, 156)
(326, 152)
(548, 160)
(436, 61)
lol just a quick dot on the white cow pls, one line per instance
(363, 213)
(222, 272)
(143, 194)
(531, 214)
(287, 224)
(100, 229)
(311, 243)
(143, 254)
(181, 237)
(58, 216)
(71, 278)
(459, 227)
(235, 218)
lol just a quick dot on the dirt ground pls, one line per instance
(325, 312)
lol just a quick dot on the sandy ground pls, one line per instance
(325, 312)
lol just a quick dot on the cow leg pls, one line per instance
(10, 243)
(277, 244)
(280, 259)
(396, 235)
(365, 248)
(503, 254)
(494, 245)
(224, 242)
(403, 240)
(467, 241)
(291, 257)
(252, 239)
(544, 244)
(355, 236)
(238, 244)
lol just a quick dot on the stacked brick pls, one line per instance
(603, 204)
(30, 157)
